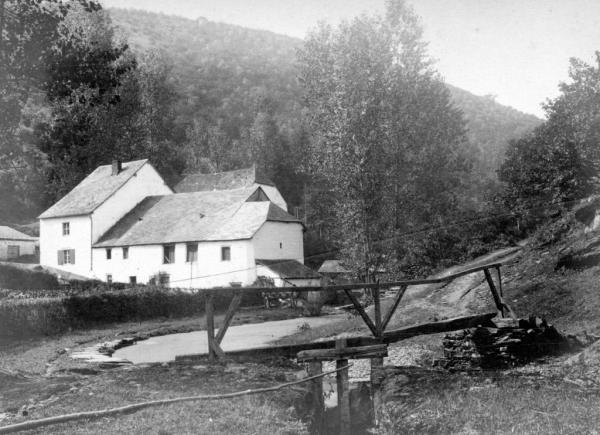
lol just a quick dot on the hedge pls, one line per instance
(48, 312)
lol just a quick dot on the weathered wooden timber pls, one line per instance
(392, 336)
(341, 287)
(377, 350)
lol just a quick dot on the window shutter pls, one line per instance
(60, 257)
(72, 255)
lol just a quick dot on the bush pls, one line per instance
(16, 278)
(50, 312)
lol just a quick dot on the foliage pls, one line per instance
(388, 141)
(18, 278)
(559, 162)
(55, 312)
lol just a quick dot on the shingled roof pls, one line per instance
(93, 190)
(237, 179)
(290, 269)
(194, 216)
(7, 233)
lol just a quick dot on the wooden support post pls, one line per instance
(362, 312)
(393, 307)
(377, 311)
(499, 281)
(500, 304)
(210, 326)
(316, 368)
(495, 295)
(233, 306)
(376, 381)
(343, 389)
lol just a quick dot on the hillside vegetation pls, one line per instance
(220, 66)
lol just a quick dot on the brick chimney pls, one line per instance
(117, 167)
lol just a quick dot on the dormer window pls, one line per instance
(66, 228)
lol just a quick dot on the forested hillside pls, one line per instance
(222, 68)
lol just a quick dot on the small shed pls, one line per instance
(14, 244)
(334, 272)
(288, 273)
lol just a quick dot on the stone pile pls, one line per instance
(512, 342)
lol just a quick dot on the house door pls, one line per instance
(13, 252)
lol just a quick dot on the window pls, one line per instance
(13, 251)
(125, 253)
(225, 253)
(192, 253)
(168, 254)
(66, 228)
(66, 256)
(108, 253)
(109, 279)
(280, 245)
(132, 280)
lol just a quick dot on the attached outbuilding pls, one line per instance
(14, 244)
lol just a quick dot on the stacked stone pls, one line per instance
(511, 343)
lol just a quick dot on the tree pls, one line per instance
(560, 160)
(387, 141)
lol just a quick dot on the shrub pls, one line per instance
(16, 278)
(24, 314)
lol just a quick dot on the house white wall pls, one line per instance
(26, 247)
(80, 239)
(274, 195)
(145, 261)
(146, 182)
(279, 240)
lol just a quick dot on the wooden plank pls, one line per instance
(357, 286)
(343, 389)
(233, 306)
(377, 311)
(376, 382)
(291, 350)
(318, 402)
(210, 326)
(362, 312)
(393, 307)
(361, 352)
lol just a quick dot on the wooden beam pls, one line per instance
(392, 308)
(357, 286)
(210, 326)
(291, 350)
(377, 350)
(216, 348)
(502, 306)
(343, 389)
(233, 306)
(377, 311)
(362, 312)
(318, 403)
(376, 377)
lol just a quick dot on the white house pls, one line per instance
(126, 225)
(14, 244)
(70, 227)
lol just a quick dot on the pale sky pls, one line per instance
(517, 50)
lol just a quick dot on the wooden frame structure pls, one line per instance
(377, 326)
